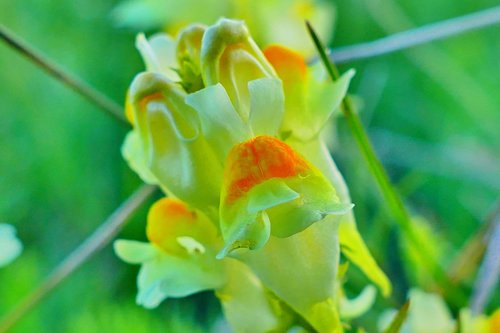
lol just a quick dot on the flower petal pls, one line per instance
(159, 55)
(311, 257)
(351, 242)
(311, 97)
(265, 179)
(134, 252)
(247, 304)
(220, 123)
(266, 106)
(133, 153)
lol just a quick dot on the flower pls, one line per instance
(180, 258)
(10, 246)
(232, 134)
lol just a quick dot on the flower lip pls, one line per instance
(171, 220)
(257, 160)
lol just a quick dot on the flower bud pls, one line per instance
(188, 57)
(230, 56)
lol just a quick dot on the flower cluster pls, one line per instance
(256, 209)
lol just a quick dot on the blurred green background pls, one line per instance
(432, 113)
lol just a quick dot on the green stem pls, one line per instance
(81, 87)
(389, 193)
(95, 242)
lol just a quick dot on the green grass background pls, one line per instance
(432, 113)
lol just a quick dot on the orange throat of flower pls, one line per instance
(257, 160)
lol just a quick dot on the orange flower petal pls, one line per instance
(167, 219)
(257, 160)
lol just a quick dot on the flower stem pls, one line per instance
(389, 193)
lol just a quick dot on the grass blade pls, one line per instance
(388, 191)
(399, 319)
(81, 87)
(417, 36)
(95, 242)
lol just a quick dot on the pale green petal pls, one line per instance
(270, 194)
(133, 153)
(10, 246)
(220, 123)
(266, 106)
(134, 252)
(175, 151)
(311, 257)
(170, 276)
(322, 98)
(159, 54)
(352, 244)
(251, 232)
(353, 308)
(247, 306)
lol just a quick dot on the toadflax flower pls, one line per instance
(232, 135)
